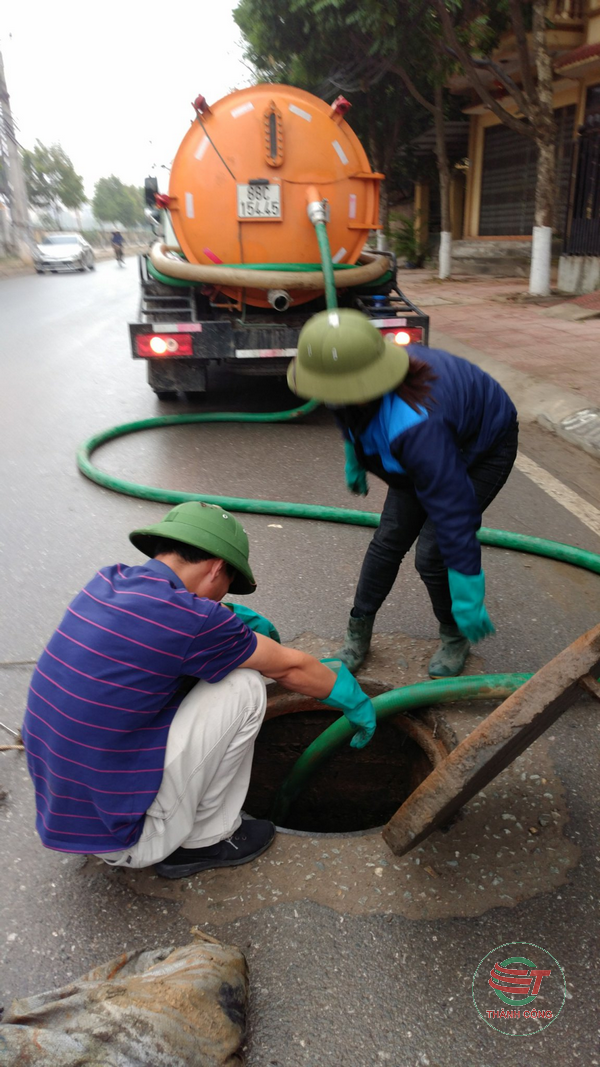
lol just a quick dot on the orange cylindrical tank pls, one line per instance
(240, 177)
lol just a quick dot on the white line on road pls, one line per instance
(579, 507)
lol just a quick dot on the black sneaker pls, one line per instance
(249, 840)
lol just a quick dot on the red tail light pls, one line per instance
(405, 335)
(157, 345)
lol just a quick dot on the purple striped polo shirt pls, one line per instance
(103, 696)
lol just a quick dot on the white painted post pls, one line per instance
(445, 258)
(541, 256)
(381, 241)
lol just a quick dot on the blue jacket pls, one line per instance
(431, 451)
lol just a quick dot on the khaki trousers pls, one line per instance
(208, 761)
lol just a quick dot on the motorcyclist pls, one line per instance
(117, 242)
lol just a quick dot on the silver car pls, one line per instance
(64, 251)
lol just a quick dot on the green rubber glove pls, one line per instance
(259, 623)
(468, 592)
(356, 476)
(356, 705)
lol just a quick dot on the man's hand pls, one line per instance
(304, 674)
(356, 705)
(258, 623)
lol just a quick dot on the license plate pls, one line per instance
(259, 202)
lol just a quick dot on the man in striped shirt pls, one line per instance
(131, 764)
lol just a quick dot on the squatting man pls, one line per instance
(144, 707)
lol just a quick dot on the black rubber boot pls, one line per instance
(356, 642)
(450, 658)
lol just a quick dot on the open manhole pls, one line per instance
(354, 791)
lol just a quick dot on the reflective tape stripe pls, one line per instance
(242, 109)
(298, 111)
(265, 353)
(340, 151)
(177, 327)
(201, 149)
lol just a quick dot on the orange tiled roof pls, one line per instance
(578, 55)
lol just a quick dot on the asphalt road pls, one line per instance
(330, 985)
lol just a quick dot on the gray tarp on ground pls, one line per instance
(169, 1007)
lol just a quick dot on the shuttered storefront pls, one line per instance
(508, 182)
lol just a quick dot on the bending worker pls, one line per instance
(144, 707)
(442, 435)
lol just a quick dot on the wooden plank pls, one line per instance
(495, 743)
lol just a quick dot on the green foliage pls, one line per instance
(118, 204)
(330, 47)
(51, 179)
(406, 241)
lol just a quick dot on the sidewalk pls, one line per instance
(549, 364)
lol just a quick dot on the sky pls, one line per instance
(112, 82)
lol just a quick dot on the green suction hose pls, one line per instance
(411, 697)
(327, 265)
(538, 546)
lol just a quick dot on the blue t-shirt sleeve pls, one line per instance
(430, 456)
(221, 644)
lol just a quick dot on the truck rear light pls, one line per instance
(160, 344)
(412, 334)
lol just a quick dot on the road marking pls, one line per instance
(586, 513)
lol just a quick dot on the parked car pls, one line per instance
(64, 251)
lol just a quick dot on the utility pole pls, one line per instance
(16, 191)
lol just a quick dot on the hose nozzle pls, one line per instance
(316, 207)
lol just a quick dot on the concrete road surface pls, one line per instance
(356, 958)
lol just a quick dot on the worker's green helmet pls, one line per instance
(343, 359)
(208, 527)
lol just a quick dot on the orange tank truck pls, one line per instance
(236, 269)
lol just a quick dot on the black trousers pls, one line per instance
(404, 519)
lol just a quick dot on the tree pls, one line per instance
(51, 179)
(119, 204)
(471, 38)
(319, 46)
(408, 42)
(372, 50)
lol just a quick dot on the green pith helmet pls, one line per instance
(208, 527)
(343, 359)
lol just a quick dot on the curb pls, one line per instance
(562, 411)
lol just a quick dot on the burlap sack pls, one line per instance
(170, 1007)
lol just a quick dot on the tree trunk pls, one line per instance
(541, 249)
(542, 119)
(445, 253)
(384, 217)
